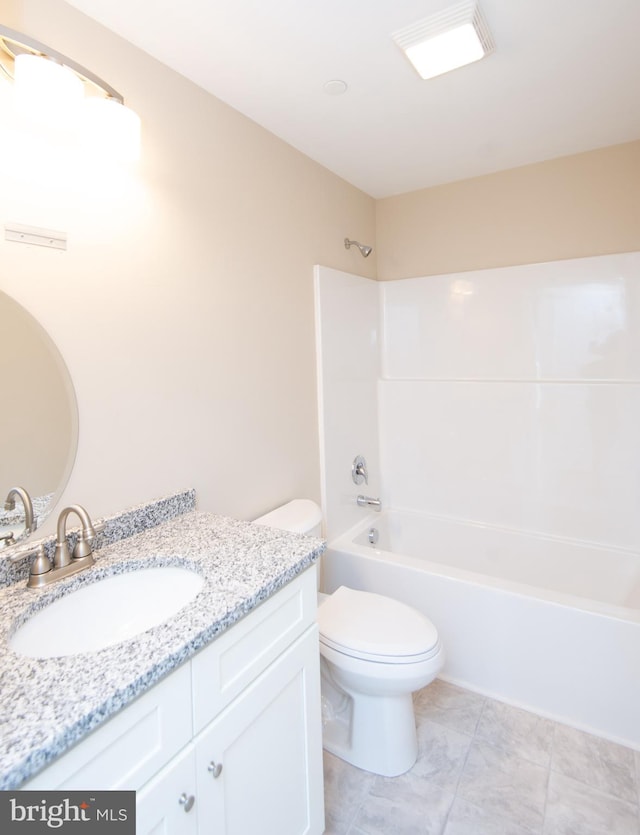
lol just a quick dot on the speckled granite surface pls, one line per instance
(117, 527)
(16, 516)
(47, 705)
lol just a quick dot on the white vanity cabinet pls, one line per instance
(166, 804)
(246, 758)
(263, 750)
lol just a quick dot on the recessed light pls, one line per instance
(335, 87)
(445, 41)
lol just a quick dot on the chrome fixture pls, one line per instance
(365, 250)
(42, 572)
(368, 501)
(373, 536)
(51, 87)
(25, 498)
(40, 567)
(82, 550)
(214, 769)
(186, 801)
(359, 472)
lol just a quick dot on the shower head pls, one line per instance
(364, 250)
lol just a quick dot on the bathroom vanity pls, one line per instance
(213, 716)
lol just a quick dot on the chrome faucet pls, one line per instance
(42, 572)
(25, 498)
(82, 551)
(368, 501)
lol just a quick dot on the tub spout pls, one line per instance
(368, 501)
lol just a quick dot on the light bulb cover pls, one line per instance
(111, 129)
(46, 88)
(55, 100)
(447, 40)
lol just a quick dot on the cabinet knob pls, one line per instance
(186, 801)
(214, 769)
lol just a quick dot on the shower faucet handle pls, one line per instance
(359, 472)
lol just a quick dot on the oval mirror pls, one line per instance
(39, 424)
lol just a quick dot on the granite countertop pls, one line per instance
(49, 704)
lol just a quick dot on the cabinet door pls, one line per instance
(167, 805)
(222, 670)
(259, 764)
(132, 746)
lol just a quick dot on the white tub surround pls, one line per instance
(48, 705)
(504, 408)
(604, 580)
(547, 625)
(347, 351)
(511, 397)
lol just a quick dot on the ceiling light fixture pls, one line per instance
(51, 90)
(447, 40)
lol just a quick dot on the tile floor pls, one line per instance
(485, 768)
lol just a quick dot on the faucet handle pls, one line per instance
(98, 527)
(25, 551)
(39, 567)
(86, 539)
(359, 470)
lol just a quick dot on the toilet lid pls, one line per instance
(370, 625)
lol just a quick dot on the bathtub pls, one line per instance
(549, 625)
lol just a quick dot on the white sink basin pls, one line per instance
(106, 612)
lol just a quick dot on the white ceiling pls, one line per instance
(565, 78)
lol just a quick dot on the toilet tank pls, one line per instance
(298, 516)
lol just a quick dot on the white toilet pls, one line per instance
(374, 653)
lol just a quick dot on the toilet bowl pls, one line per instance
(374, 653)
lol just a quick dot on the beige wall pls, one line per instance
(587, 204)
(184, 303)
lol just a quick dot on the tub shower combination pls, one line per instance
(498, 412)
(545, 624)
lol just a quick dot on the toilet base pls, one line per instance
(374, 733)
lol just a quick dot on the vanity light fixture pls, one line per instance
(447, 40)
(52, 91)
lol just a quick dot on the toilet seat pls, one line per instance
(375, 628)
